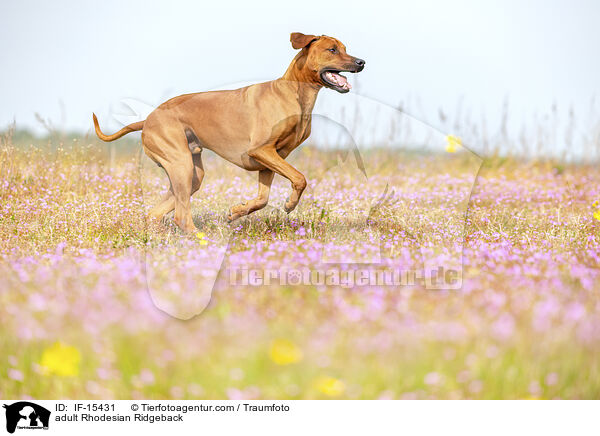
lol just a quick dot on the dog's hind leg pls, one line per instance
(265, 178)
(164, 206)
(167, 202)
(170, 150)
(198, 172)
(181, 174)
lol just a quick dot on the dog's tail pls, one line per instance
(124, 131)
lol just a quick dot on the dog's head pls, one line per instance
(323, 58)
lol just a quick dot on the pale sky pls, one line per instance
(88, 56)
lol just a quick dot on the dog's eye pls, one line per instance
(333, 50)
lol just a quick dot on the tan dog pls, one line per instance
(255, 127)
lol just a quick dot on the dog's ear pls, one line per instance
(300, 40)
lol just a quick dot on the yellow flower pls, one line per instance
(60, 359)
(452, 143)
(202, 237)
(596, 215)
(284, 352)
(332, 387)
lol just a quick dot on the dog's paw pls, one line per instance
(289, 206)
(236, 212)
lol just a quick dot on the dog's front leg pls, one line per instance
(265, 178)
(268, 156)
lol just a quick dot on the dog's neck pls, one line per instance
(299, 77)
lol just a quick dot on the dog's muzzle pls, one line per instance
(360, 65)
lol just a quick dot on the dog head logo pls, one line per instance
(26, 415)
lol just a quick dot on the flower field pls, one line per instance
(82, 276)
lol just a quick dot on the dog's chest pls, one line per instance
(296, 132)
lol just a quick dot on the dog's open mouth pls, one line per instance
(333, 79)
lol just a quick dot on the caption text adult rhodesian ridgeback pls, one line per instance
(255, 127)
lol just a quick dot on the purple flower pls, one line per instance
(15, 374)
(504, 327)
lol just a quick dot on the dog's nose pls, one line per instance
(359, 62)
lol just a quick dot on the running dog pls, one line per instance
(255, 127)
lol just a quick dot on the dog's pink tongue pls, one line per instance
(338, 80)
(341, 80)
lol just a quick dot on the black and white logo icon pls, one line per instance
(26, 415)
